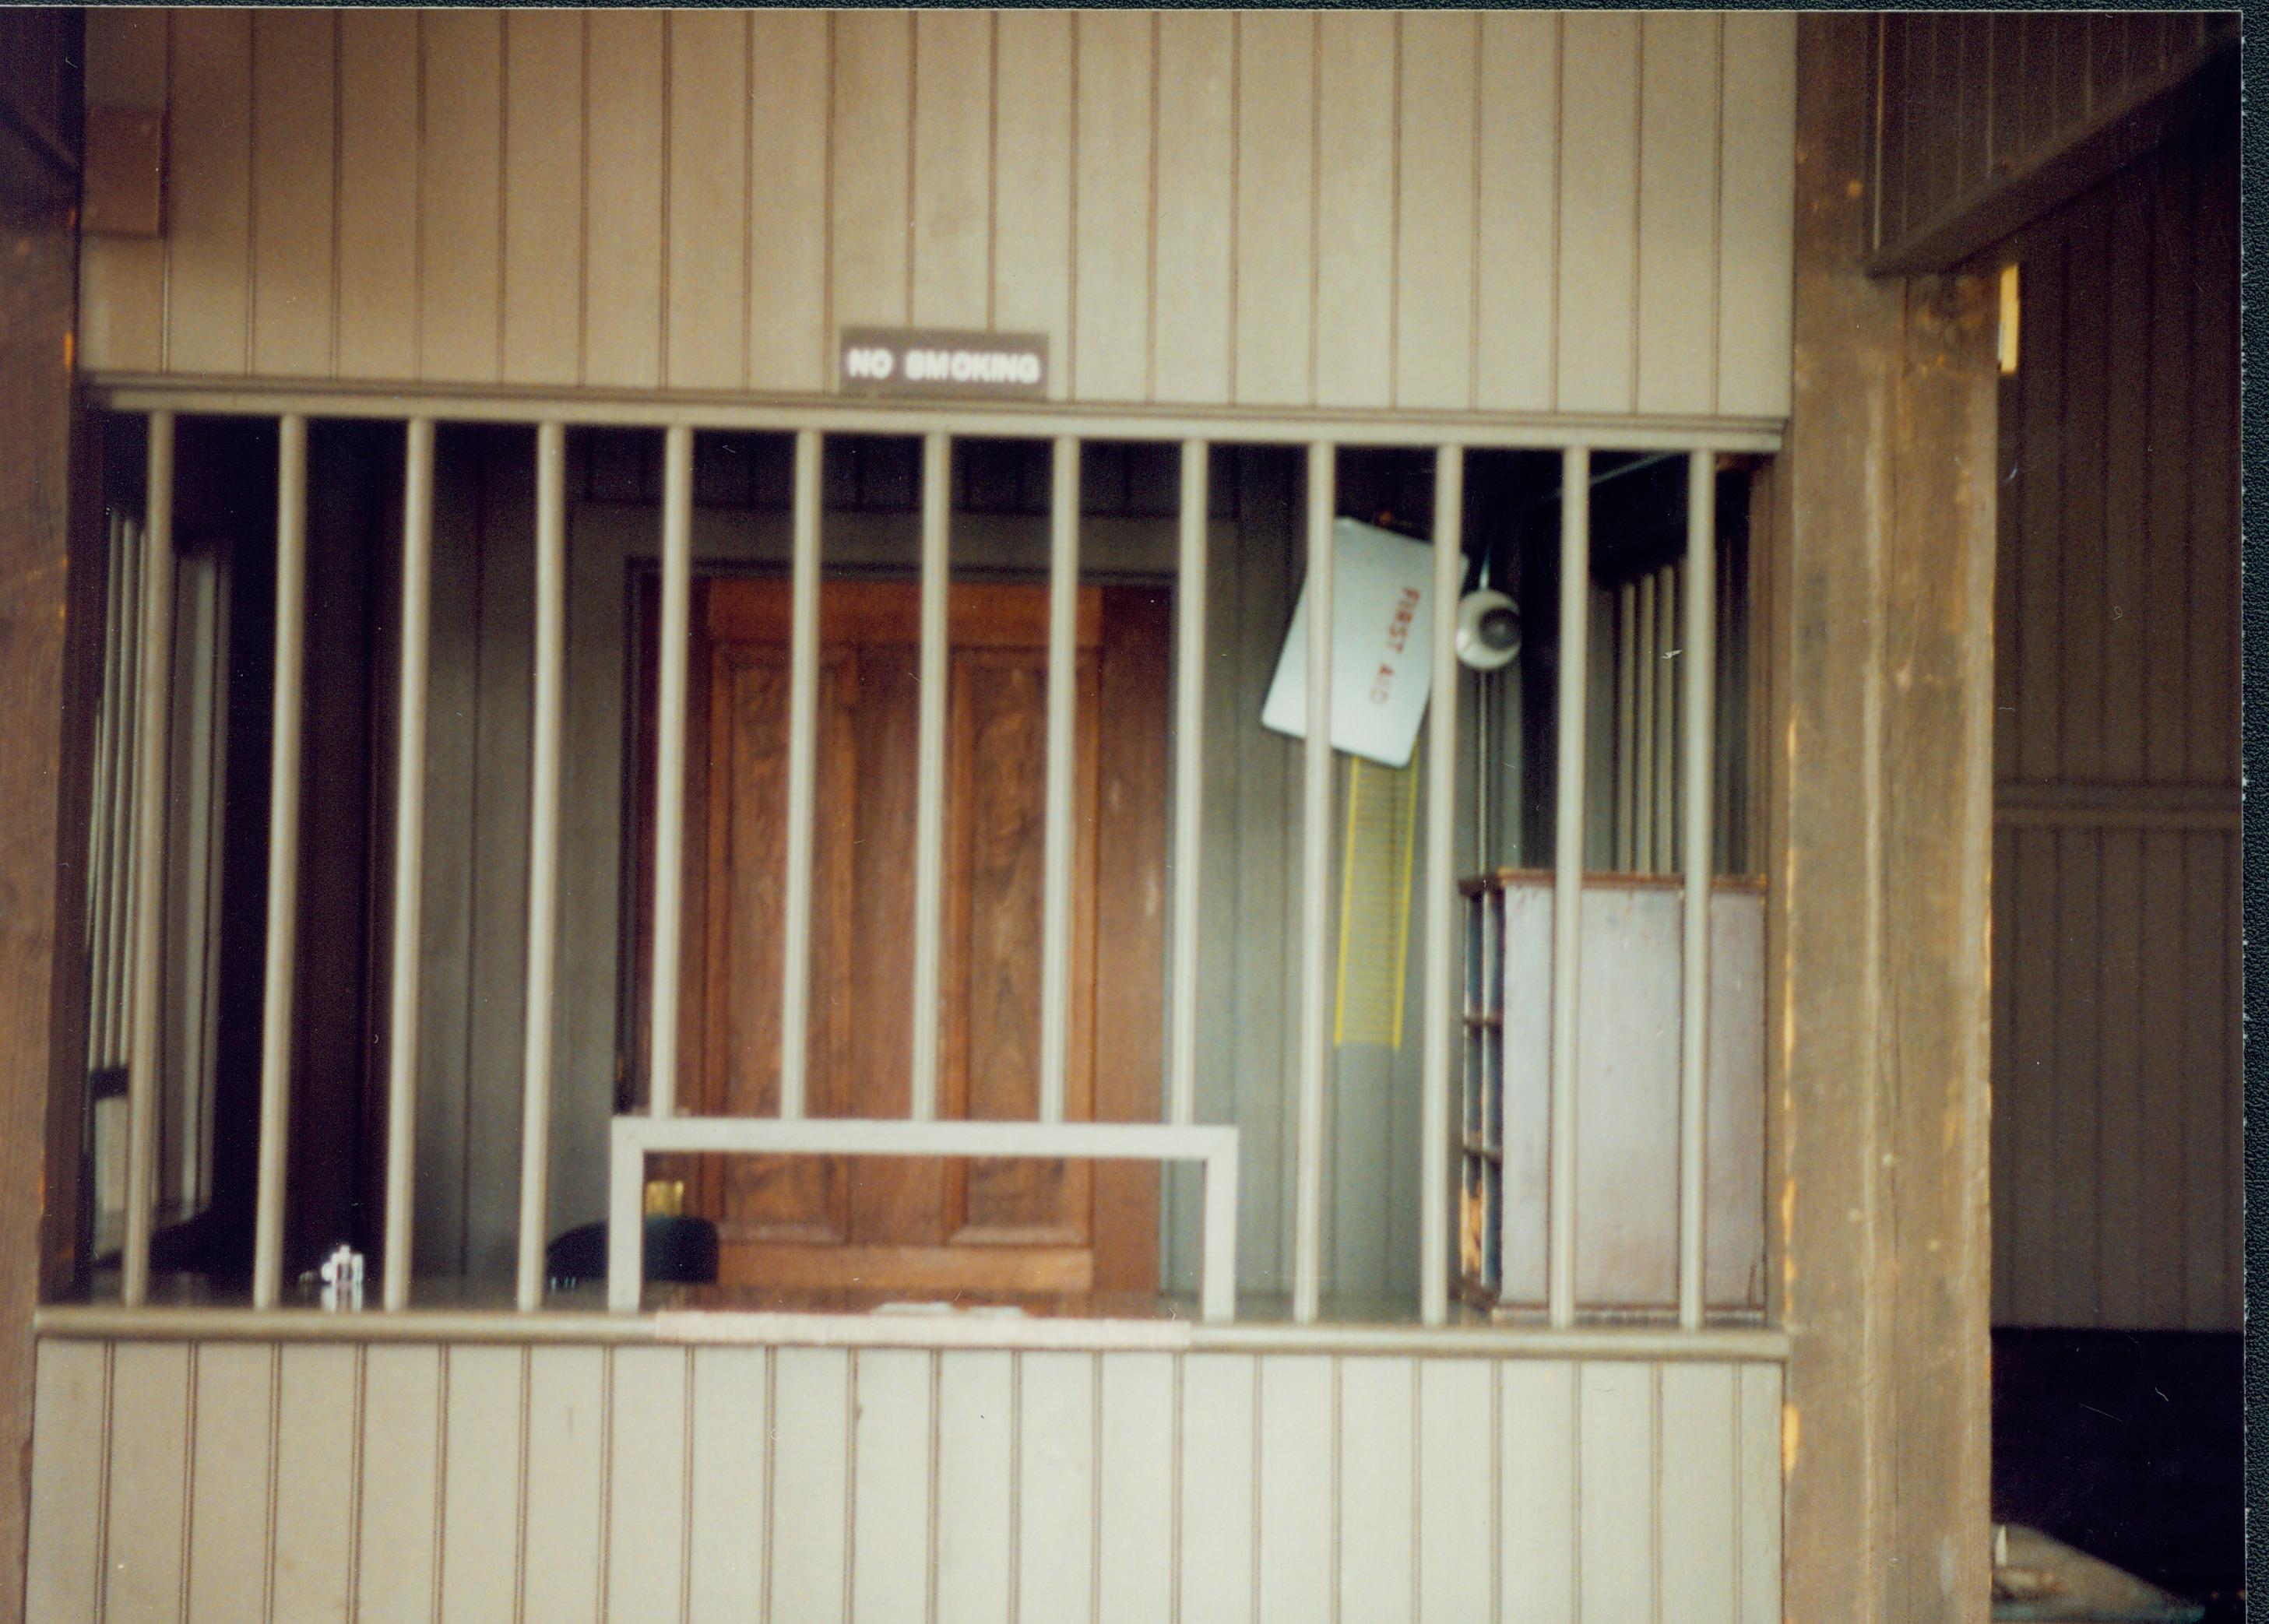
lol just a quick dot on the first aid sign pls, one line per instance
(1382, 647)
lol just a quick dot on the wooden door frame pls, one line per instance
(1135, 677)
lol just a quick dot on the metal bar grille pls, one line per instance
(1664, 705)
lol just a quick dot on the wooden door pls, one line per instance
(937, 1228)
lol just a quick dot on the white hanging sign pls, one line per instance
(1382, 647)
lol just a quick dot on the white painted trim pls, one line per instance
(403, 986)
(635, 1138)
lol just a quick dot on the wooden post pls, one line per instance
(1881, 822)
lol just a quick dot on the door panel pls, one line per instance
(988, 1225)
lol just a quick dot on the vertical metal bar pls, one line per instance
(929, 777)
(283, 859)
(150, 802)
(409, 860)
(1647, 667)
(670, 764)
(1700, 660)
(1666, 662)
(1627, 734)
(121, 823)
(802, 776)
(1568, 874)
(1315, 899)
(1437, 1137)
(1189, 783)
(1057, 832)
(102, 842)
(542, 856)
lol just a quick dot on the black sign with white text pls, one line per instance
(920, 361)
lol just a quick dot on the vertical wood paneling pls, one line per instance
(1517, 293)
(708, 190)
(624, 229)
(2040, 412)
(2215, 469)
(894, 1433)
(976, 1481)
(2076, 1049)
(1538, 1488)
(732, 1433)
(1112, 196)
(1135, 1496)
(1276, 208)
(2167, 472)
(2209, 1169)
(146, 1517)
(1356, 148)
(1192, 282)
(543, 219)
(563, 1526)
(2166, 1128)
(293, 81)
(317, 1435)
(209, 193)
(229, 1485)
(1457, 1489)
(1759, 1401)
(397, 1500)
(1032, 183)
(790, 337)
(1437, 210)
(459, 217)
(482, 1482)
(2126, 389)
(64, 1557)
(2087, 330)
(1377, 1523)
(1395, 1484)
(1056, 1485)
(869, 191)
(1218, 1512)
(1701, 1554)
(378, 206)
(2008, 1096)
(2120, 1203)
(122, 279)
(807, 1558)
(952, 167)
(1298, 1556)
(2030, 1216)
(1679, 262)
(1618, 1411)
(1598, 212)
(647, 1449)
(1156, 194)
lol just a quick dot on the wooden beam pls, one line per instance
(41, 1001)
(1881, 806)
(2154, 111)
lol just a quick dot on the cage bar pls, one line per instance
(1189, 783)
(1057, 832)
(1315, 899)
(1442, 901)
(1568, 876)
(670, 764)
(542, 856)
(930, 776)
(802, 775)
(283, 859)
(402, 985)
(150, 802)
(1700, 660)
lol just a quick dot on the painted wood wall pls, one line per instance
(221, 1480)
(2116, 1065)
(1969, 98)
(1498, 212)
